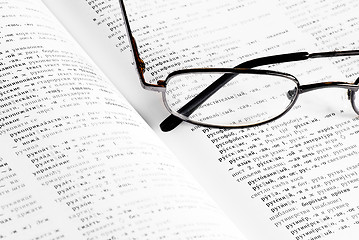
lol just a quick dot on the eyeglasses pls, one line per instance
(234, 97)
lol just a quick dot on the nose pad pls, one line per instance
(351, 93)
(352, 96)
(292, 93)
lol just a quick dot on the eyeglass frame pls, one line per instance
(175, 119)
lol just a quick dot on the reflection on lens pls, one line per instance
(245, 99)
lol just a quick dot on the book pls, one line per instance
(82, 156)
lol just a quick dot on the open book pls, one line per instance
(81, 153)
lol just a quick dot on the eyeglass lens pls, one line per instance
(247, 99)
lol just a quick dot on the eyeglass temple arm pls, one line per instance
(172, 121)
(140, 65)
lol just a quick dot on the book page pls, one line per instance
(76, 160)
(295, 178)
